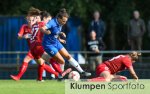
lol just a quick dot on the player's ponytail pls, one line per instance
(62, 13)
(44, 14)
(134, 55)
(63, 10)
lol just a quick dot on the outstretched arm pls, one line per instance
(131, 70)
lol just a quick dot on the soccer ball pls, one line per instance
(74, 75)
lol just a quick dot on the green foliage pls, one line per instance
(116, 13)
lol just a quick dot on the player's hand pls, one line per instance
(63, 34)
(19, 37)
(136, 79)
(48, 32)
(62, 41)
(27, 36)
(97, 51)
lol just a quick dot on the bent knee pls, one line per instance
(27, 59)
(61, 61)
(68, 56)
(108, 79)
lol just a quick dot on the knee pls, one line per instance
(62, 61)
(68, 56)
(39, 61)
(108, 79)
(46, 57)
(27, 59)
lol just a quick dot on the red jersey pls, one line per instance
(37, 35)
(119, 63)
(25, 29)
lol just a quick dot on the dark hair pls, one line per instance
(34, 11)
(134, 55)
(62, 13)
(44, 14)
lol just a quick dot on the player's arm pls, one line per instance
(128, 64)
(46, 28)
(61, 40)
(62, 34)
(45, 31)
(132, 72)
(21, 32)
(62, 37)
(27, 36)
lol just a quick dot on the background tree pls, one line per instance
(116, 14)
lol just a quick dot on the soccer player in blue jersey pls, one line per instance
(51, 41)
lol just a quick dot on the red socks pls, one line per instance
(56, 66)
(97, 79)
(22, 69)
(40, 71)
(50, 70)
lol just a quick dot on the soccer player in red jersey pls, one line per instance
(107, 70)
(24, 33)
(37, 49)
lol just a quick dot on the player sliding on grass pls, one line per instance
(107, 70)
(52, 44)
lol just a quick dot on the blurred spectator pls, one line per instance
(136, 31)
(148, 27)
(94, 45)
(97, 25)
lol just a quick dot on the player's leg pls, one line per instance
(106, 74)
(119, 78)
(24, 66)
(103, 74)
(55, 65)
(46, 67)
(40, 69)
(57, 57)
(37, 52)
(72, 61)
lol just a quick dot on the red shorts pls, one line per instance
(101, 68)
(37, 51)
(30, 55)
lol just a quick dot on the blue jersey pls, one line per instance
(55, 29)
(50, 42)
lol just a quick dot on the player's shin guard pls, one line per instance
(22, 69)
(40, 72)
(75, 64)
(62, 66)
(97, 79)
(50, 70)
(56, 66)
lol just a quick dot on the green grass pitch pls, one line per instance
(31, 87)
(56, 87)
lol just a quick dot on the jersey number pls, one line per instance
(34, 32)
